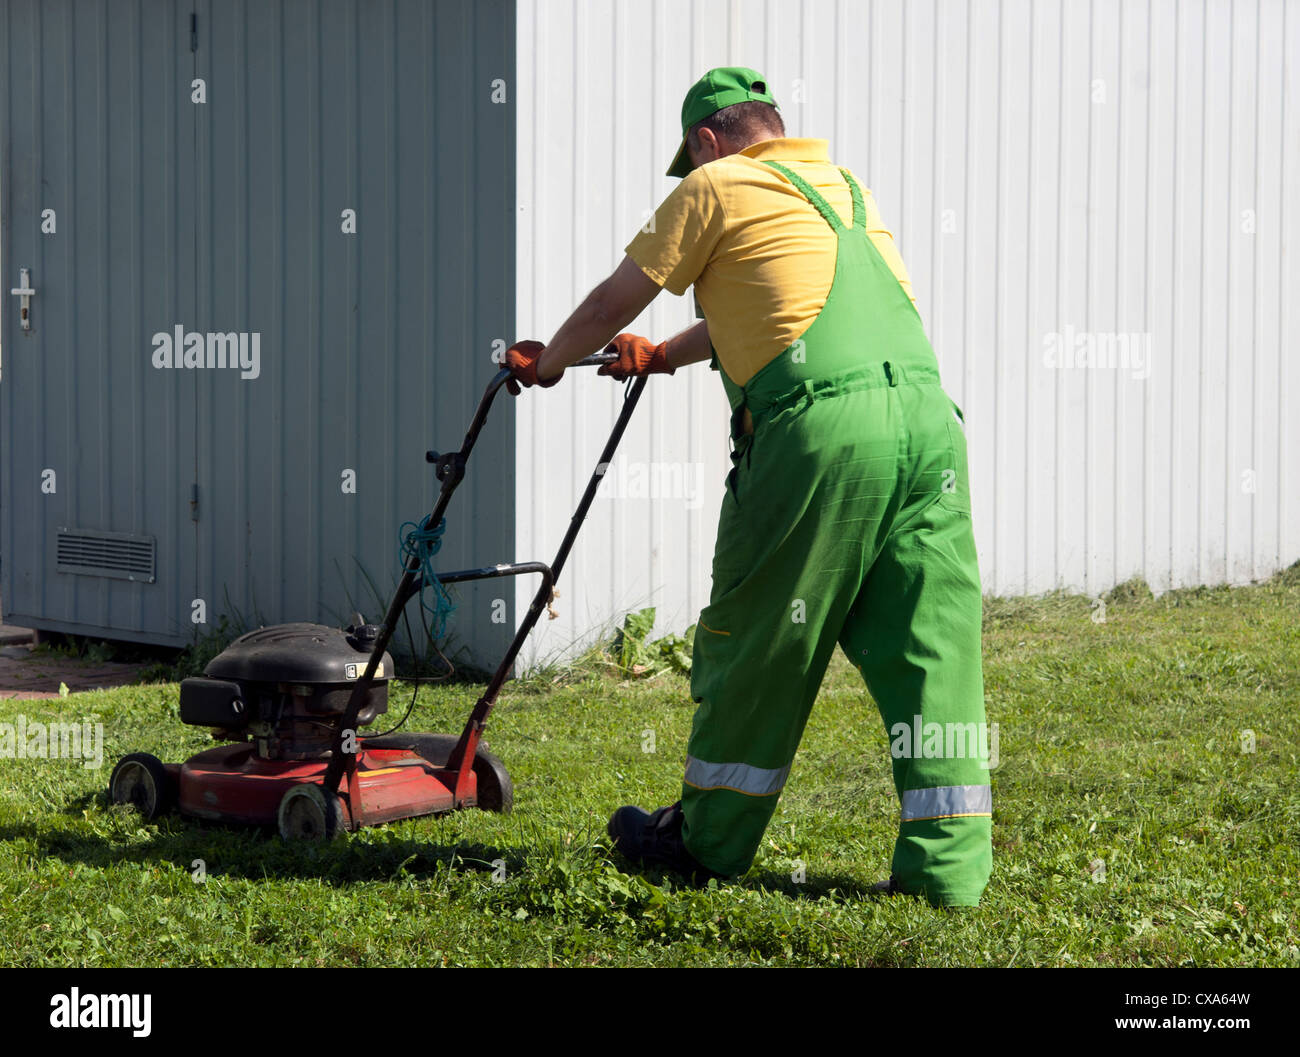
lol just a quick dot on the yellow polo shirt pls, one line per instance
(760, 255)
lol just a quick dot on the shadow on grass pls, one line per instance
(835, 887)
(256, 852)
(817, 887)
(383, 854)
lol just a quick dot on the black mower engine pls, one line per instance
(286, 687)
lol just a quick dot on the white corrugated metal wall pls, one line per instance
(1103, 175)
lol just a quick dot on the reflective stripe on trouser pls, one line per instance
(738, 777)
(847, 520)
(947, 801)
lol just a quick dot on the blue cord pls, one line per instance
(426, 542)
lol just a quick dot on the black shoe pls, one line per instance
(655, 840)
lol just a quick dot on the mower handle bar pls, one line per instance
(596, 359)
(450, 471)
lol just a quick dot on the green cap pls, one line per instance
(723, 87)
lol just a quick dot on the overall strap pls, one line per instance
(859, 207)
(821, 205)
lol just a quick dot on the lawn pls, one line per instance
(1146, 812)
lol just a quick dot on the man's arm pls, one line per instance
(605, 312)
(690, 346)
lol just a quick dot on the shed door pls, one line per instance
(97, 202)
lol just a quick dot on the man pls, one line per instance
(846, 516)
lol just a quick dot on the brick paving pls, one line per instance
(25, 675)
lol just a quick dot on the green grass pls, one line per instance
(1120, 741)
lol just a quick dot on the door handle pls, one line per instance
(26, 292)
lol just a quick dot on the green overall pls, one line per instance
(846, 519)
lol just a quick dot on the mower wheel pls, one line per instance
(142, 781)
(307, 812)
(496, 792)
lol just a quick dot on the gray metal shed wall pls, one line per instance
(226, 217)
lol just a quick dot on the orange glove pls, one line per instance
(522, 359)
(636, 356)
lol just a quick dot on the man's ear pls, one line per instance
(708, 144)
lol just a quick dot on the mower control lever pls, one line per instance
(452, 464)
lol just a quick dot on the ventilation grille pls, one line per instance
(116, 554)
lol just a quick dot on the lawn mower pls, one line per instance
(289, 702)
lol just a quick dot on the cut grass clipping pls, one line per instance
(1146, 804)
